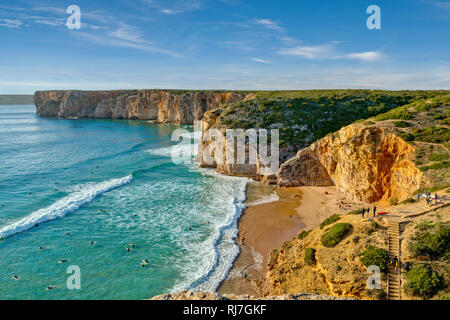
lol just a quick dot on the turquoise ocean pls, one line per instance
(65, 184)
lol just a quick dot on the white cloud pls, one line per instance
(366, 56)
(172, 7)
(324, 51)
(328, 51)
(10, 23)
(269, 24)
(118, 38)
(168, 11)
(50, 22)
(444, 5)
(261, 60)
(127, 33)
(60, 11)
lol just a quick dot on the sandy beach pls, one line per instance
(265, 226)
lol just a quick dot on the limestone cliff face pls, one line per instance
(159, 105)
(196, 295)
(365, 163)
(254, 170)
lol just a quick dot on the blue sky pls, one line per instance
(224, 44)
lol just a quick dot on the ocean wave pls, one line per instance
(180, 153)
(266, 199)
(60, 208)
(221, 248)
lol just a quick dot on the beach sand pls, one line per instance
(265, 226)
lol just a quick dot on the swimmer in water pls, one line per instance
(92, 243)
(63, 261)
(16, 277)
(50, 288)
(144, 263)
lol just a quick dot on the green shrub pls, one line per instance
(436, 166)
(335, 234)
(310, 256)
(302, 235)
(438, 157)
(406, 136)
(373, 225)
(430, 240)
(397, 113)
(432, 134)
(422, 281)
(374, 256)
(393, 201)
(445, 122)
(439, 116)
(402, 124)
(355, 212)
(447, 145)
(330, 220)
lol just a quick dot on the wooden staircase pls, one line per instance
(394, 279)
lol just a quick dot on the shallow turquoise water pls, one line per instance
(111, 182)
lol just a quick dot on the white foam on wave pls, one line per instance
(182, 151)
(220, 250)
(265, 199)
(179, 150)
(60, 208)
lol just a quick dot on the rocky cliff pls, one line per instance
(336, 271)
(373, 159)
(247, 169)
(164, 106)
(195, 295)
(366, 163)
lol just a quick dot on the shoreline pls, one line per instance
(264, 226)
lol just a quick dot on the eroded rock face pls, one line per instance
(365, 163)
(195, 295)
(159, 105)
(209, 157)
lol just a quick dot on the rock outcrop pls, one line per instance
(195, 295)
(162, 106)
(211, 158)
(366, 163)
(336, 271)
